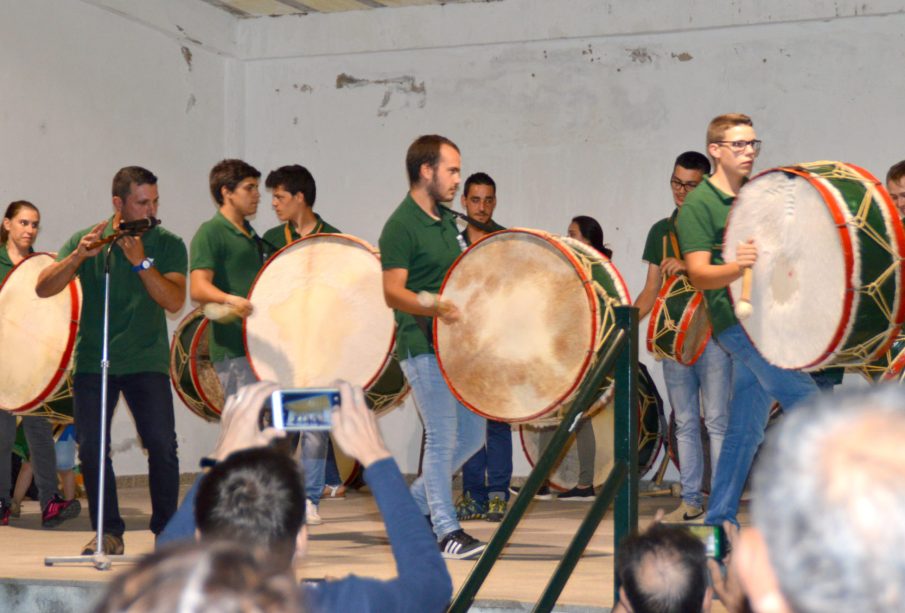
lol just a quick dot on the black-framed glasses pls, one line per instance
(685, 186)
(739, 146)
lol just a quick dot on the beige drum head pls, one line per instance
(319, 314)
(528, 329)
(37, 336)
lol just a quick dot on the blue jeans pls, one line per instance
(708, 381)
(314, 462)
(150, 401)
(452, 434)
(755, 382)
(331, 473)
(493, 460)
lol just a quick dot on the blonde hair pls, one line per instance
(720, 125)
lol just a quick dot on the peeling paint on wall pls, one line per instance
(190, 103)
(640, 55)
(303, 87)
(405, 86)
(187, 56)
(683, 57)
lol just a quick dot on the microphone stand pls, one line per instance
(100, 559)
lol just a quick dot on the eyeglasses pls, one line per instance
(685, 186)
(739, 146)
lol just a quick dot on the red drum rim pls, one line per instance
(193, 366)
(74, 315)
(592, 304)
(358, 242)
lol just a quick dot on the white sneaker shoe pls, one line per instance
(312, 517)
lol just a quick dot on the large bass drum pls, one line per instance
(319, 315)
(38, 339)
(535, 310)
(828, 278)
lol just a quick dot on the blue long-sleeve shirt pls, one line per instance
(422, 583)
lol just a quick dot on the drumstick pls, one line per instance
(221, 313)
(743, 309)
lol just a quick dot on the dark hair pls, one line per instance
(11, 211)
(126, 176)
(293, 179)
(896, 172)
(679, 582)
(255, 497)
(424, 150)
(592, 231)
(479, 178)
(203, 578)
(228, 174)
(692, 160)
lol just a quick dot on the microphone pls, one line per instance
(137, 226)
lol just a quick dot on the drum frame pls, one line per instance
(681, 329)
(75, 311)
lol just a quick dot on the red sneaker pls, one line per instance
(4, 513)
(57, 510)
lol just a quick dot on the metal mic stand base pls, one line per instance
(100, 560)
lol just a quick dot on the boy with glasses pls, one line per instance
(707, 381)
(733, 146)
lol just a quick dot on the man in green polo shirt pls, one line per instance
(706, 383)
(294, 191)
(418, 244)
(147, 277)
(733, 146)
(227, 254)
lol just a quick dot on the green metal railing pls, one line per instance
(621, 355)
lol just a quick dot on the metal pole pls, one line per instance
(587, 394)
(580, 541)
(625, 516)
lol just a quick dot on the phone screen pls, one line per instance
(304, 408)
(713, 538)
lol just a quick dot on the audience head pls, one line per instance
(829, 508)
(255, 497)
(663, 570)
(203, 578)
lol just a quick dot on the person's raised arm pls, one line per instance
(57, 276)
(705, 275)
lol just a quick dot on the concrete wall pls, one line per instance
(574, 106)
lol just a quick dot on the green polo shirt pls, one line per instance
(6, 264)
(138, 339)
(701, 223)
(235, 257)
(277, 236)
(426, 248)
(653, 247)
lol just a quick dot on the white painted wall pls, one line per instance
(84, 92)
(574, 106)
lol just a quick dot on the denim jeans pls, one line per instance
(39, 435)
(234, 373)
(452, 434)
(314, 461)
(331, 472)
(708, 381)
(150, 401)
(755, 382)
(490, 469)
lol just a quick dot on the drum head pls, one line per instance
(38, 335)
(825, 285)
(191, 371)
(319, 314)
(529, 326)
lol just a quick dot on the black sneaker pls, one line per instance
(458, 545)
(542, 494)
(578, 494)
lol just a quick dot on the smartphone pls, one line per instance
(307, 408)
(714, 539)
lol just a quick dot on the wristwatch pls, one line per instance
(143, 265)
